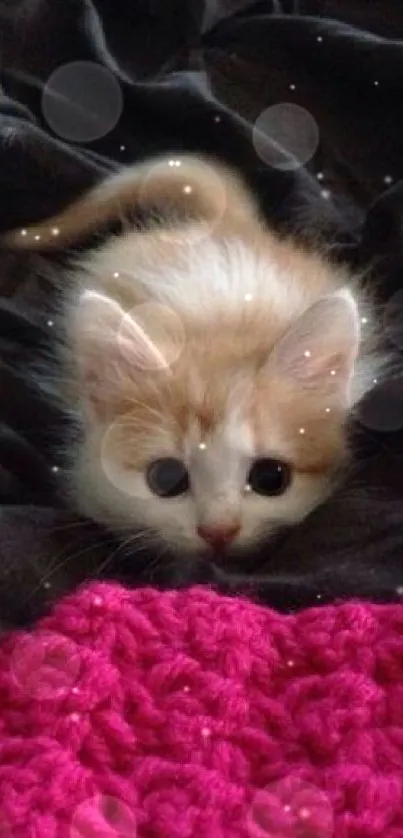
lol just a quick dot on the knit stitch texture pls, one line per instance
(185, 714)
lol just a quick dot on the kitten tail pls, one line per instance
(189, 186)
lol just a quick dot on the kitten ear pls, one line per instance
(319, 350)
(111, 349)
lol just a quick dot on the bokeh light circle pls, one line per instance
(45, 666)
(163, 330)
(82, 101)
(164, 337)
(124, 476)
(182, 198)
(393, 319)
(103, 815)
(382, 409)
(285, 136)
(5, 828)
(291, 808)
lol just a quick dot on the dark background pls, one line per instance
(196, 76)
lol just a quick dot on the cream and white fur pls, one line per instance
(206, 337)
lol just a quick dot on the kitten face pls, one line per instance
(220, 440)
(214, 480)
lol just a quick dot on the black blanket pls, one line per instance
(88, 85)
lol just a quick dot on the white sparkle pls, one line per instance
(318, 596)
(46, 585)
(123, 148)
(217, 119)
(332, 372)
(327, 410)
(290, 664)
(187, 189)
(248, 488)
(307, 354)
(55, 469)
(364, 320)
(75, 691)
(325, 194)
(98, 600)
(205, 732)
(248, 297)
(399, 590)
(376, 83)
(116, 275)
(202, 446)
(55, 231)
(302, 430)
(51, 323)
(177, 163)
(304, 813)
(37, 238)
(23, 232)
(75, 717)
(320, 176)
(186, 689)
(375, 381)
(388, 179)
(319, 39)
(171, 163)
(292, 86)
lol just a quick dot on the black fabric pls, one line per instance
(196, 76)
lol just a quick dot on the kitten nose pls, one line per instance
(219, 535)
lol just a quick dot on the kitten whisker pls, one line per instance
(73, 525)
(66, 560)
(134, 539)
(158, 561)
(109, 559)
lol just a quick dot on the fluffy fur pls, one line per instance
(205, 337)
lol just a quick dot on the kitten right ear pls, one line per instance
(110, 348)
(319, 350)
(189, 187)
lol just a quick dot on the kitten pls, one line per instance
(213, 364)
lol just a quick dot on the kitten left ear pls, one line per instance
(319, 350)
(110, 348)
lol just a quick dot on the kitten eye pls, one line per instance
(167, 477)
(269, 477)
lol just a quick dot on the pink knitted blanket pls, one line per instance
(141, 714)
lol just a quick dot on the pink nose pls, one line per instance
(219, 536)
